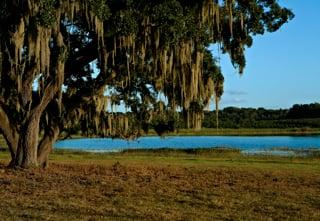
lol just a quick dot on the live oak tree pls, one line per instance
(57, 57)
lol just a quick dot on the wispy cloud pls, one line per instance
(235, 100)
(235, 92)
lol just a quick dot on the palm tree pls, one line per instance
(218, 91)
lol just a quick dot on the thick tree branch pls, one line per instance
(82, 58)
(46, 144)
(26, 92)
(9, 132)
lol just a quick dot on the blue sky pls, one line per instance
(283, 68)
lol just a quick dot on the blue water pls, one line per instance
(245, 143)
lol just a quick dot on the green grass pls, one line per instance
(216, 157)
(205, 184)
(192, 157)
(3, 143)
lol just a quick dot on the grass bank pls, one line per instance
(163, 185)
(247, 132)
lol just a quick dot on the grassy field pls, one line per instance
(163, 185)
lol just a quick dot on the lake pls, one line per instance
(248, 144)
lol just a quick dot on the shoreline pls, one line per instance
(247, 132)
(231, 132)
(190, 152)
(283, 152)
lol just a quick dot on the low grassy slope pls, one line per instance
(163, 185)
(249, 131)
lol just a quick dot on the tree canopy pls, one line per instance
(57, 58)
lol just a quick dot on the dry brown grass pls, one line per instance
(133, 188)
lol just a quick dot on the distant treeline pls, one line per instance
(298, 116)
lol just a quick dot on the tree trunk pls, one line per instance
(12, 142)
(46, 146)
(27, 152)
(198, 121)
(187, 118)
(217, 111)
(10, 134)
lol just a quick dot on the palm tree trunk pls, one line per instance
(216, 99)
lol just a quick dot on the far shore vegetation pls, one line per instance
(300, 119)
(298, 116)
(245, 132)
